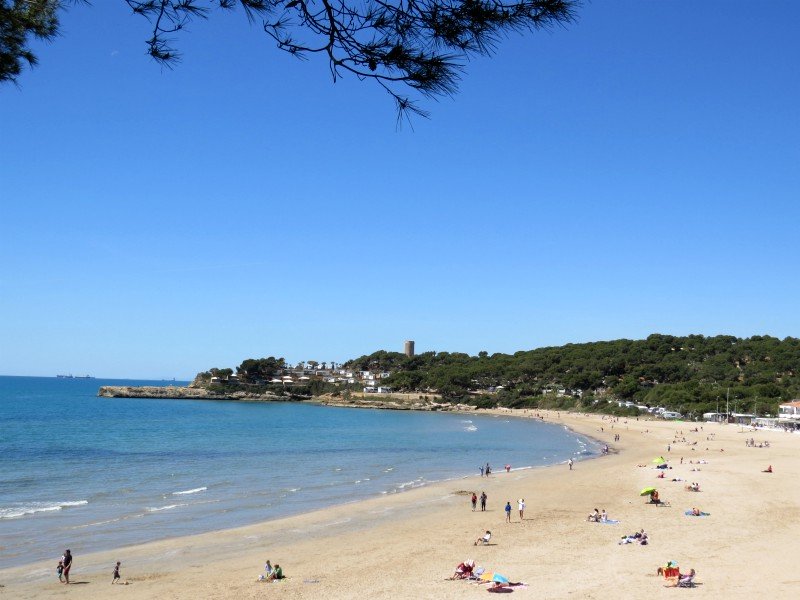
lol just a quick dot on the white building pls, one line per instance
(789, 414)
(717, 417)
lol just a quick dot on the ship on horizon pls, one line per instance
(71, 376)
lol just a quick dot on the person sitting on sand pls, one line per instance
(696, 512)
(464, 569)
(267, 571)
(594, 517)
(686, 579)
(277, 573)
(768, 469)
(484, 539)
(604, 516)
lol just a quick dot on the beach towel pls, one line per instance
(610, 522)
(689, 513)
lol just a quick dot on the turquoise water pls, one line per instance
(97, 473)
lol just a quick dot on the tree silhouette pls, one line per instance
(405, 46)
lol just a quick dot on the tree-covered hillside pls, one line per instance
(690, 374)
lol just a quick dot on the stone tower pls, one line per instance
(408, 348)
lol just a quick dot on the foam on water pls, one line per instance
(160, 508)
(16, 510)
(192, 491)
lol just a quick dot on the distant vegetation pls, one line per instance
(691, 374)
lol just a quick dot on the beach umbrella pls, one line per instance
(659, 461)
(492, 576)
(647, 491)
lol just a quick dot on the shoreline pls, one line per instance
(430, 529)
(445, 481)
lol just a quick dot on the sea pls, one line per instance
(96, 473)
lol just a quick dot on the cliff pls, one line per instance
(181, 393)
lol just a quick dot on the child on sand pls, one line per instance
(267, 571)
(116, 573)
(508, 511)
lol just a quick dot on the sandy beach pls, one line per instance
(406, 545)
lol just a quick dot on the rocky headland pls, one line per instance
(183, 393)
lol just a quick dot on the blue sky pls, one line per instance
(635, 172)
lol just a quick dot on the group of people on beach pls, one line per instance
(640, 537)
(271, 573)
(597, 516)
(65, 566)
(751, 443)
(474, 501)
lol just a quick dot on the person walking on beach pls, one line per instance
(481, 470)
(483, 501)
(521, 506)
(474, 501)
(508, 511)
(116, 573)
(488, 469)
(67, 561)
(569, 462)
